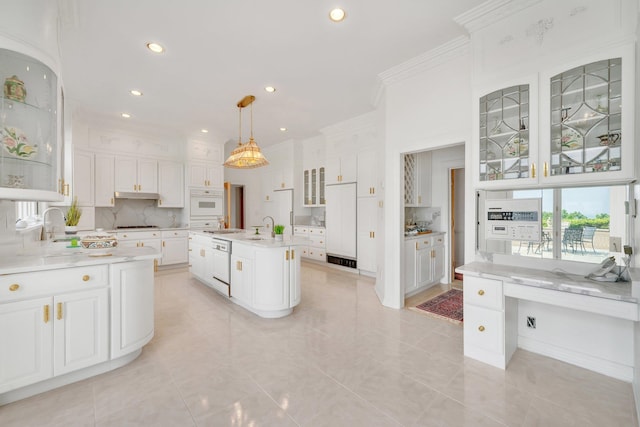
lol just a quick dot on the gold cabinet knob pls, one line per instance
(481, 328)
(85, 278)
(14, 287)
(480, 292)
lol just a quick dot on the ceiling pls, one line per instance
(218, 51)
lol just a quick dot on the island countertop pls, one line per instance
(250, 238)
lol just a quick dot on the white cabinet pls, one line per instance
(368, 173)
(423, 262)
(170, 185)
(340, 220)
(242, 285)
(175, 247)
(341, 169)
(205, 151)
(366, 236)
(206, 175)
(314, 186)
(132, 306)
(136, 175)
(104, 180)
(140, 239)
(45, 333)
(417, 179)
(316, 249)
(83, 178)
(271, 289)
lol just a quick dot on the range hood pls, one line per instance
(132, 195)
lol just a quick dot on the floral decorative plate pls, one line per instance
(571, 139)
(15, 142)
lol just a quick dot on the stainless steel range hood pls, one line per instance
(132, 195)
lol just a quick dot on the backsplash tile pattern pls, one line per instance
(138, 212)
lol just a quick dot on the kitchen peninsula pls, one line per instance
(255, 271)
(66, 315)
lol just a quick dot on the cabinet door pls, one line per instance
(306, 187)
(26, 334)
(423, 267)
(105, 180)
(437, 263)
(81, 330)
(215, 175)
(131, 306)
(341, 220)
(170, 185)
(175, 251)
(271, 290)
(83, 188)
(332, 170)
(410, 265)
(196, 259)
(367, 227)
(423, 179)
(153, 243)
(126, 174)
(294, 276)
(198, 175)
(147, 176)
(367, 173)
(241, 279)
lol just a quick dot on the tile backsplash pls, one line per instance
(138, 212)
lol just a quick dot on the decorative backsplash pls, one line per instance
(138, 212)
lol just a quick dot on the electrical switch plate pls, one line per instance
(615, 244)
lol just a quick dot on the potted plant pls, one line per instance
(278, 229)
(72, 218)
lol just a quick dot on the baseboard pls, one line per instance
(605, 367)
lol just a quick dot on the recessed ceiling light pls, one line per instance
(204, 130)
(337, 15)
(135, 92)
(270, 89)
(126, 115)
(155, 47)
(283, 129)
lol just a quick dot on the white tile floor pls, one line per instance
(341, 359)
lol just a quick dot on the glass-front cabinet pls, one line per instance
(29, 130)
(314, 180)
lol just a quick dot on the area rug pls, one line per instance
(446, 306)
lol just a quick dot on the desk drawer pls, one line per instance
(483, 292)
(484, 328)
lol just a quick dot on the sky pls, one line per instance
(590, 201)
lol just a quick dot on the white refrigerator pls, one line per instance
(340, 220)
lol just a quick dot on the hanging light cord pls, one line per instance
(240, 126)
(252, 120)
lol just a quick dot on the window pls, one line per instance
(579, 224)
(25, 210)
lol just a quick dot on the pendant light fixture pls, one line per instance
(246, 156)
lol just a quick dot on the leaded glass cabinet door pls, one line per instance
(504, 135)
(586, 119)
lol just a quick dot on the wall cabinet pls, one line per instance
(136, 175)
(31, 160)
(170, 185)
(206, 175)
(313, 186)
(342, 169)
(175, 247)
(367, 173)
(104, 180)
(366, 234)
(132, 306)
(417, 179)
(423, 262)
(83, 178)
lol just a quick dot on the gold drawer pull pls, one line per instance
(59, 316)
(14, 287)
(481, 328)
(85, 278)
(239, 265)
(480, 292)
(45, 313)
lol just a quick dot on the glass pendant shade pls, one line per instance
(246, 156)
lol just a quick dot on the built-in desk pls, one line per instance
(565, 316)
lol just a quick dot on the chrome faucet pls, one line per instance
(273, 233)
(46, 233)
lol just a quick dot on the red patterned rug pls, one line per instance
(446, 306)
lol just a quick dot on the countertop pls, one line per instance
(54, 256)
(420, 236)
(554, 280)
(249, 237)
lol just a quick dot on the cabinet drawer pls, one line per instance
(27, 285)
(483, 292)
(484, 328)
(423, 242)
(314, 231)
(437, 240)
(138, 235)
(167, 234)
(317, 254)
(317, 241)
(300, 231)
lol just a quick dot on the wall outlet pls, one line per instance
(615, 244)
(531, 322)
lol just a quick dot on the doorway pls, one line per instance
(456, 186)
(234, 201)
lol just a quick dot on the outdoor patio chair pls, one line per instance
(587, 237)
(572, 237)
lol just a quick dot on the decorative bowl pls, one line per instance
(99, 241)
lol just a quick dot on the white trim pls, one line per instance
(490, 12)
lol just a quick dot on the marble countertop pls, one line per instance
(53, 256)
(554, 280)
(420, 236)
(261, 240)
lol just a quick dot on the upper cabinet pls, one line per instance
(170, 184)
(313, 186)
(30, 131)
(367, 173)
(104, 180)
(417, 179)
(341, 169)
(136, 175)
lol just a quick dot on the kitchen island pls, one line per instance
(66, 315)
(262, 275)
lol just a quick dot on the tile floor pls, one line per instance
(341, 359)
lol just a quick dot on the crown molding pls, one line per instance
(433, 58)
(356, 124)
(490, 12)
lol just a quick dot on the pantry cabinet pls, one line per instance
(136, 175)
(367, 173)
(367, 226)
(341, 169)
